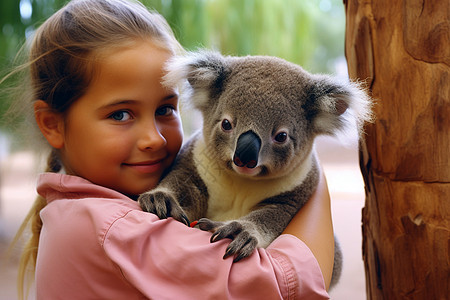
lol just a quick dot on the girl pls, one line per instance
(96, 71)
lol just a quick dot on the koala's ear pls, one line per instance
(335, 107)
(205, 71)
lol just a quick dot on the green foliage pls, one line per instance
(18, 19)
(298, 31)
(308, 32)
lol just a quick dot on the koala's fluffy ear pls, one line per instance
(336, 107)
(204, 71)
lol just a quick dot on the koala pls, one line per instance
(253, 164)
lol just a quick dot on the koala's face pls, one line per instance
(257, 126)
(261, 114)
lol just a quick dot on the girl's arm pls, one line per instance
(313, 225)
(165, 258)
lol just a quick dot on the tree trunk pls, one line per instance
(402, 50)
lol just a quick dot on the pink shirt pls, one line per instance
(97, 243)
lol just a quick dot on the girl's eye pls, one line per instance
(281, 137)
(165, 111)
(226, 125)
(120, 116)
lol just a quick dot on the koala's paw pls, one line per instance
(163, 205)
(244, 241)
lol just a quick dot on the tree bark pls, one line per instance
(401, 49)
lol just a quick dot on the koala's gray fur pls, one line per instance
(253, 166)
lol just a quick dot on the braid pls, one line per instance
(27, 262)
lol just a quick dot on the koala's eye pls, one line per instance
(281, 137)
(226, 125)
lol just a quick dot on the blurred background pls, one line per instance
(307, 32)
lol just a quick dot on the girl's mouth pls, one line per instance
(146, 167)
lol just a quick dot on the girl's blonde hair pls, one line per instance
(62, 63)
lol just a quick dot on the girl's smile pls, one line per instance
(125, 131)
(146, 167)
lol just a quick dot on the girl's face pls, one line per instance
(126, 130)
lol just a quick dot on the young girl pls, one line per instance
(96, 71)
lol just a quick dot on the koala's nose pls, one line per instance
(247, 150)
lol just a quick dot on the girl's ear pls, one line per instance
(50, 123)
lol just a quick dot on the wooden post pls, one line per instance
(402, 49)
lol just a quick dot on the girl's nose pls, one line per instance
(151, 138)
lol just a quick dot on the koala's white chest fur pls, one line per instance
(232, 196)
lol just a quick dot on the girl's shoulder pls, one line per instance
(54, 186)
(79, 201)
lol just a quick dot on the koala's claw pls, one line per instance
(241, 247)
(163, 205)
(208, 225)
(243, 242)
